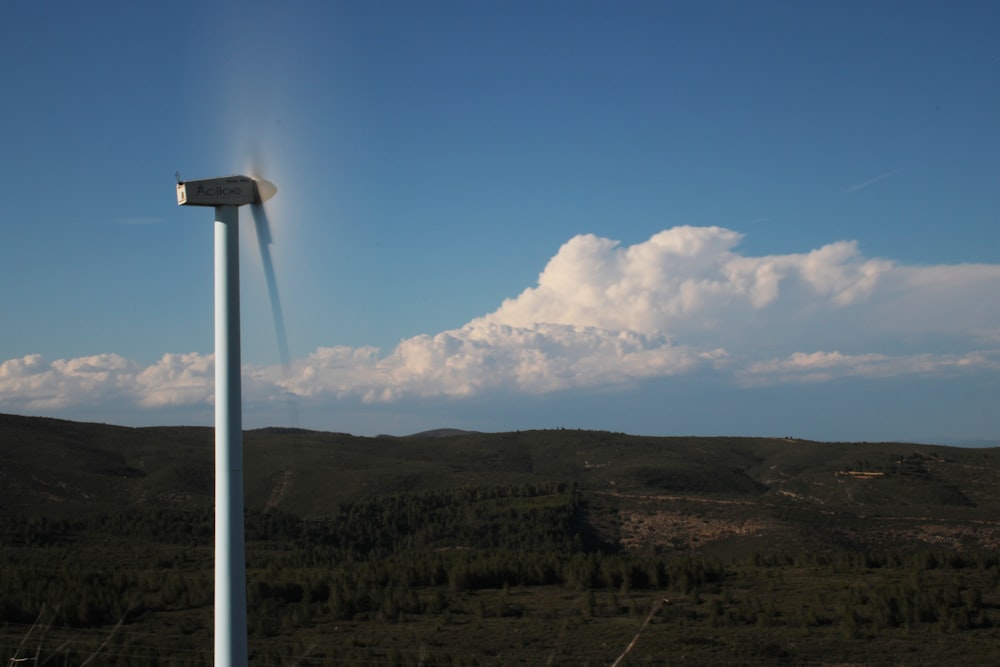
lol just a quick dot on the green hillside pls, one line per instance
(68, 469)
(535, 547)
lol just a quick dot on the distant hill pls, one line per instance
(686, 493)
(442, 433)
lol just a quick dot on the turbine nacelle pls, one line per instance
(225, 191)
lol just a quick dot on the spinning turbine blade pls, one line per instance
(264, 240)
(264, 191)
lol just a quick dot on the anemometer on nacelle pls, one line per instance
(225, 191)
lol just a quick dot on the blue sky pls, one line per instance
(747, 218)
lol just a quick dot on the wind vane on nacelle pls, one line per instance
(225, 191)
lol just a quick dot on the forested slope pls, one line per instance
(540, 547)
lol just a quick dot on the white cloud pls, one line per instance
(824, 366)
(176, 379)
(686, 280)
(603, 314)
(32, 383)
(685, 300)
(487, 356)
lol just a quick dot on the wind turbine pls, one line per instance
(226, 195)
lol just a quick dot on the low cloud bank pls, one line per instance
(684, 302)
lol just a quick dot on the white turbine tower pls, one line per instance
(226, 195)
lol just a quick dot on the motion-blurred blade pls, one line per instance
(265, 189)
(264, 240)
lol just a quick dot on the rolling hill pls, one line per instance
(448, 547)
(667, 492)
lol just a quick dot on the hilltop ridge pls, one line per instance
(643, 490)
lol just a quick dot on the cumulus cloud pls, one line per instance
(32, 383)
(489, 356)
(686, 280)
(604, 314)
(176, 379)
(686, 301)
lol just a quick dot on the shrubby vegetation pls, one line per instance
(470, 576)
(497, 549)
